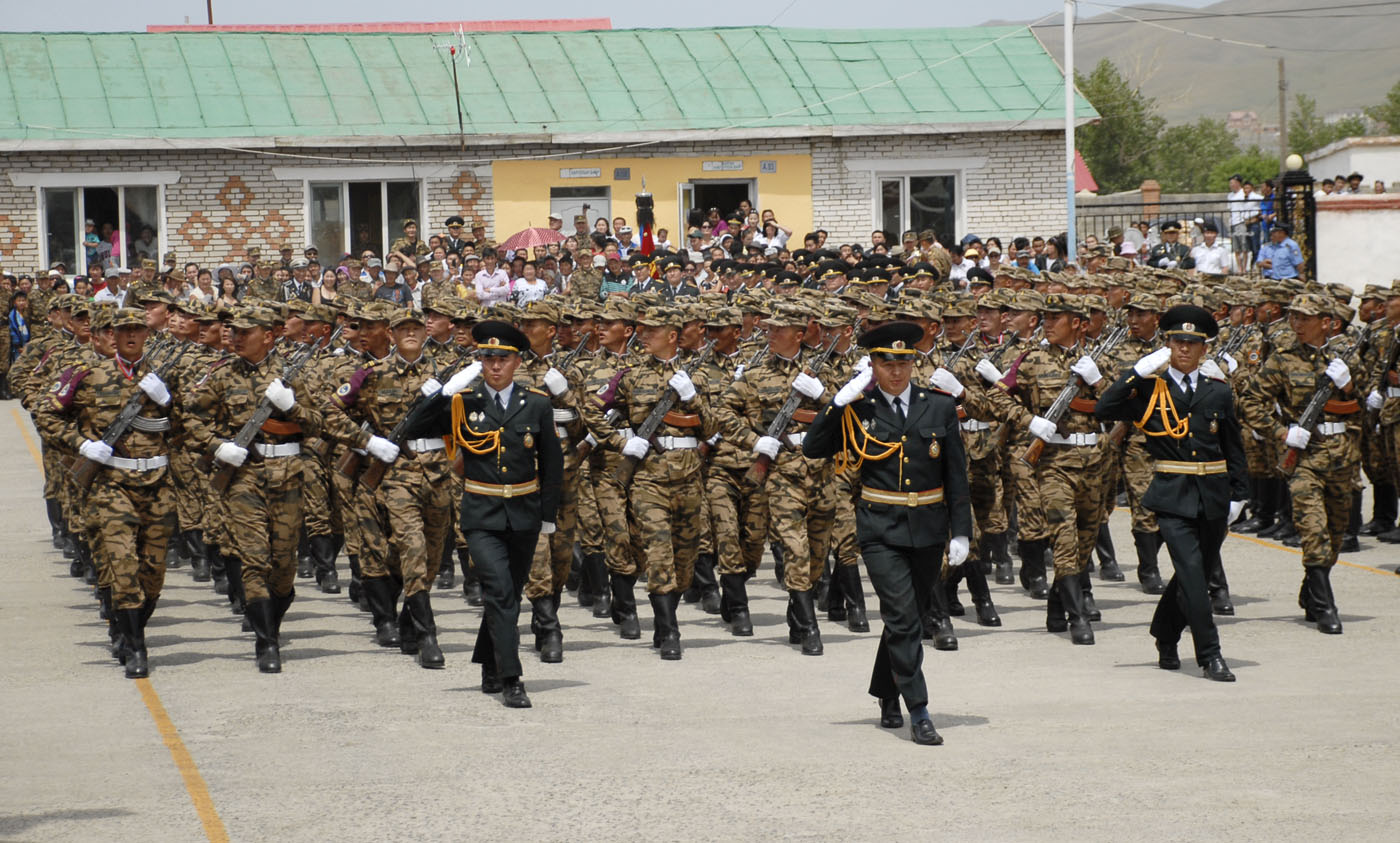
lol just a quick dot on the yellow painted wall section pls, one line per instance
(521, 188)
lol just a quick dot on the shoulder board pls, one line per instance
(212, 367)
(537, 391)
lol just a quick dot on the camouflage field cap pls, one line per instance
(125, 317)
(1310, 304)
(253, 316)
(1065, 303)
(405, 315)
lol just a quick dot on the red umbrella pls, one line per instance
(530, 238)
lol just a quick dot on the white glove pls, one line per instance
(459, 381)
(155, 388)
(1339, 373)
(555, 382)
(863, 363)
(714, 440)
(1152, 363)
(1211, 369)
(1172, 264)
(989, 372)
(636, 448)
(382, 449)
(1042, 428)
(1297, 438)
(1162, 262)
(738, 371)
(1087, 369)
(96, 450)
(280, 395)
(680, 382)
(1375, 400)
(946, 381)
(854, 388)
(1231, 364)
(1236, 507)
(957, 550)
(339, 352)
(808, 386)
(767, 446)
(430, 387)
(231, 454)
(547, 528)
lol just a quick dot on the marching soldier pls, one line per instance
(905, 443)
(1199, 481)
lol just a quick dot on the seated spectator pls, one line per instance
(529, 286)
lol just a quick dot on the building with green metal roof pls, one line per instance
(224, 141)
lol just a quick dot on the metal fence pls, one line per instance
(1098, 219)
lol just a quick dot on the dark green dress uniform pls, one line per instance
(512, 468)
(1198, 454)
(908, 505)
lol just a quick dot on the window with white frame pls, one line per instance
(361, 216)
(111, 225)
(916, 202)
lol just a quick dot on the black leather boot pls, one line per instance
(379, 591)
(1266, 508)
(199, 556)
(217, 568)
(854, 593)
(323, 559)
(1055, 612)
(89, 564)
(1108, 558)
(1001, 558)
(736, 604)
(624, 606)
(549, 636)
(667, 635)
(602, 598)
(420, 608)
(234, 566)
(447, 575)
(981, 596)
(1072, 595)
(306, 566)
(950, 591)
(134, 633)
(471, 583)
(937, 624)
(1148, 574)
(574, 582)
(707, 584)
(1283, 526)
(1350, 541)
(408, 633)
(104, 603)
(1219, 588)
(804, 616)
(1321, 608)
(1086, 584)
(175, 551)
(280, 605)
(356, 591)
(1032, 575)
(777, 551)
(1383, 506)
(55, 513)
(269, 657)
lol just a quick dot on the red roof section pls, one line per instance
(554, 25)
(1083, 179)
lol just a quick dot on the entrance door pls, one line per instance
(367, 217)
(700, 195)
(593, 202)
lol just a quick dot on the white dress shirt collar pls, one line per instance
(903, 397)
(504, 393)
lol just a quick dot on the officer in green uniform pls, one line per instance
(913, 501)
(1200, 479)
(512, 467)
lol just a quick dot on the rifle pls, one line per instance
(223, 476)
(1004, 431)
(375, 473)
(350, 461)
(1061, 405)
(758, 472)
(1236, 341)
(1317, 404)
(575, 351)
(1392, 357)
(628, 466)
(961, 352)
(84, 469)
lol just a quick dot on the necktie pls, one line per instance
(899, 408)
(500, 405)
(1186, 388)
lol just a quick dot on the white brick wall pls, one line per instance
(226, 201)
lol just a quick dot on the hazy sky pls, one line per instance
(94, 15)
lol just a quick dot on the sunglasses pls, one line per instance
(353, 326)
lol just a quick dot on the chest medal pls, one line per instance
(529, 440)
(934, 450)
(1214, 426)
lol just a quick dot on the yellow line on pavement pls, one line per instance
(28, 440)
(1275, 546)
(184, 762)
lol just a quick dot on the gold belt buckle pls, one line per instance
(913, 499)
(506, 490)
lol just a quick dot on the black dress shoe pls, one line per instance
(1220, 603)
(890, 716)
(514, 695)
(944, 638)
(490, 682)
(924, 734)
(1216, 670)
(1350, 544)
(1167, 659)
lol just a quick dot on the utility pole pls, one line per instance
(209, 7)
(1071, 246)
(1282, 119)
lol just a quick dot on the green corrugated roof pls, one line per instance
(95, 86)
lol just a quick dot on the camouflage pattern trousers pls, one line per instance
(800, 517)
(189, 491)
(664, 506)
(263, 507)
(1137, 476)
(415, 507)
(1070, 481)
(738, 520)
(137, 523)
(590, 520)
(611, 501)
(842, 501)
(984, 482)
(554, 553)
(321, 518)
(1321, 506)
(1027, 492)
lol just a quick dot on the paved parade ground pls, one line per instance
(744, 739)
